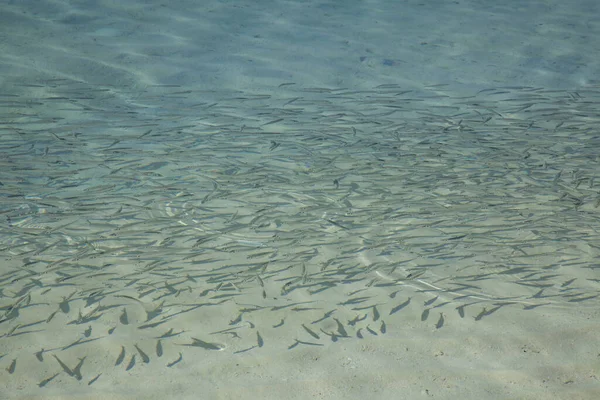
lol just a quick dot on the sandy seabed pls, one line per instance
(296, 200)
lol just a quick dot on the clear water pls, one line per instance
(299, 200)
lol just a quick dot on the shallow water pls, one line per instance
(157, 227)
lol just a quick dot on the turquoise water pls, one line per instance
(323, 199)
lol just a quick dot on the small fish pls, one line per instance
(440, 322)
(64, 305)
(121, 356)
(47, 380)
(150, 315)
(237, 320)
(482, 314)
(383, 328)
(244, 350)
(169, 365)
(297, 342)
(65, 368)
(425, 314)
(169, 334)
(77, 369)
(131, 363)
(159, 348)
(50, 317)
(399, 307)
(272, 122)
(371, 331)
(259, 339)
(205, 345)
(336, 224)
(375, 313)
(430, 302)
(580, 299)
(325, 316)
(94, 379)
(144, 356)
(340, 328)
(123, 318)
(354, 300)
(334, 337)
(357, 319)
(311, 332)
(11, 368)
